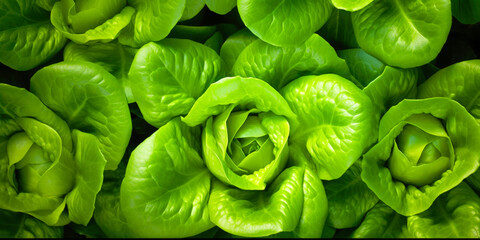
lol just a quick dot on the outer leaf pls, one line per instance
(351, 5)
(18, 225)
(246, 93)
(153, 20)
(90, 164)
(464, 133)
(454, 214)
(315, 203)
(166, 185)
(114, 57)
(257, 214)
(284, 23)
(280, 65)
(105, 32)
(336, 121)
(234, 45)
(382, 222)
(170, 75)
(466, 11)
(349, 199)
(221, 7)
(27, 38)
(404, 34)
(89, 99)
(459, 81)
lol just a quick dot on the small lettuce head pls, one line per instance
(426, 147)
(246, 131)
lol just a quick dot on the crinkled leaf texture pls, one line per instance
(284, 23)
(89, 99)
(382, 222)
(259, 213)
(460, 82)
(403, 33)
(114, 57)
(153, 20)
(167, 77)
(27, 38)
(455, 214)
(349, 199)
(336, 121)
(166, 186)
(19, 225)
(280, 65)
(406, 199)
(107, 31)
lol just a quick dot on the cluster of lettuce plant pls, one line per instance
(239, 118)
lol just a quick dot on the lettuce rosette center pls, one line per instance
(246, 131)
(32, 164)
(426, 147)
(422, 151)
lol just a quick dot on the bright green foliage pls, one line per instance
(192, 8)
(152, 21)
(87, 21)
(284, 23)
(257, 214)
(167, 77)
(426, 147)
(166, 186)
(405, 34)
(460, 82)
(233, 46)
(280, 65)
(114, 57)
(89, 99)
(453, 215)
(335, 121)
(246, 132)
(221, 7)
(27, 38)
(351, 5)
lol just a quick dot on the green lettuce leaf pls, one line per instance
(27, 38)
(284, 23)
(166, 186)
(404, 34)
